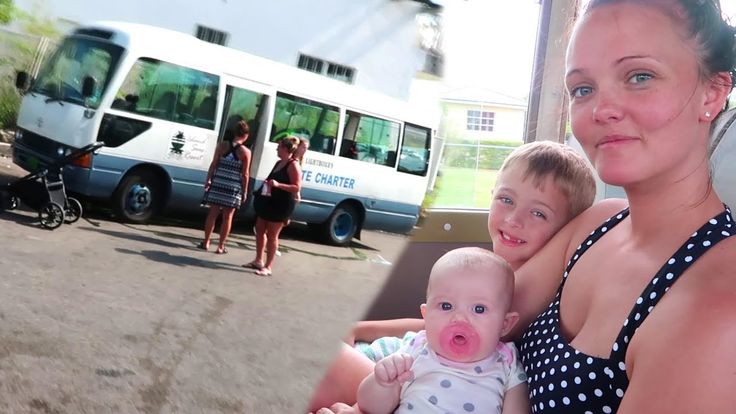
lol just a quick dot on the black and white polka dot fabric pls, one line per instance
(563, 380)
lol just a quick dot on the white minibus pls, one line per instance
(161, 100)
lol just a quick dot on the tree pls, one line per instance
(20, 53)
(7, 9)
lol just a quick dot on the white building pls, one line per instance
(374, 44)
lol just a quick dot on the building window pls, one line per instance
(480, 120)
(329, 69)
(211, 35)
(311, 64)
(434, 63)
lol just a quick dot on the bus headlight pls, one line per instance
(60, 151)
(18, 134)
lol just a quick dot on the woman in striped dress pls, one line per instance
(226, 185)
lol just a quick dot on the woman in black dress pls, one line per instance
(227, 182)
(274, 202)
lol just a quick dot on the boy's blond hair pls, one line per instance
(568, 169)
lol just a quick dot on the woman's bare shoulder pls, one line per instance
(718, 265)
(691, 331)
(593, 217)
(706, 296)
(604, 209)
(243, 151)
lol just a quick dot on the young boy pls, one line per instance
(540, 187)
(458, 364)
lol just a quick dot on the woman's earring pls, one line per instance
(707, 115)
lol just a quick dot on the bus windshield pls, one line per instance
(62, 76)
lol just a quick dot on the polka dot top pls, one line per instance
(443, 386)
(564, 380)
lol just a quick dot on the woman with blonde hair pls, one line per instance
(274, 202)
(298, 155)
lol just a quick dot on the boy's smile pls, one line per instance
(509, 240)
(524, 216)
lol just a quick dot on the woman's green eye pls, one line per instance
(580, 91)
(640, 77)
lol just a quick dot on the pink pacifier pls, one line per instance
(459, 341)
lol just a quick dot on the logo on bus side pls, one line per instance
(189, 148)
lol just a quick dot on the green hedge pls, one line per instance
(9, 104)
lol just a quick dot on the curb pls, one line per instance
(6, 150)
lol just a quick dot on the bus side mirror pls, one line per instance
(88, 86)
(22, 81)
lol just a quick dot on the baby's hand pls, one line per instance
(394, 369)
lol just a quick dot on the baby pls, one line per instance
(458, 363)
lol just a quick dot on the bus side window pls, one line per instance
(205, 114)
(349, 150)
(414, 158)
(316, 121)
(370, 139)
(164, 106)
(170, 92)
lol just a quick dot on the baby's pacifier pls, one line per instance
(459, 341)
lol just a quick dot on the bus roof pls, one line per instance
(181, 48)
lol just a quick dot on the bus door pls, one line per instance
(246, 100)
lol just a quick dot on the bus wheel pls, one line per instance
(139, 196)
(341, 226)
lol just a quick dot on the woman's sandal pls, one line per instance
(223, 251)
(202, 246)
(263, 272)
(253, 265)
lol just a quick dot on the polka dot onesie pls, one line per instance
(564, 380)
(444, 386)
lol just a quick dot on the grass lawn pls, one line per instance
(464, 187)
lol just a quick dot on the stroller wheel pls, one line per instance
(51, 215)
(73, 211)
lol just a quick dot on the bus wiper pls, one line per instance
(54, 99)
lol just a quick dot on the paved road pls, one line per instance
(105, 317)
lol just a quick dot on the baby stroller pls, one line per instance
(44, 192)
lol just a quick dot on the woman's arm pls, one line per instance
(536, 282)
(342, 379)
(213, 165)
(516, 400)
(369, 331)
(246, 170)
